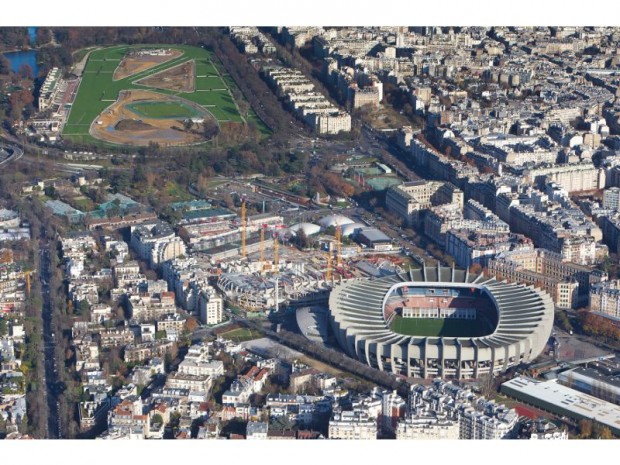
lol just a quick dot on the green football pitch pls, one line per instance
(436, 327)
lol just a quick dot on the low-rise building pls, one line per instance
(148, 350)
(564, 401)
(427, 428)
(352, 425)
(257, 430)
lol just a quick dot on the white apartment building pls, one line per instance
(573, 177)
(332, 123)
(352, 425)
(427, 428)
(611, 198)
(193, 292)
(490, 422)
(156, 242)
(211, 307)
(198, 362)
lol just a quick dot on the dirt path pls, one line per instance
(78, 68)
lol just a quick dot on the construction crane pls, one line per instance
(27, 276)
(338, 247)
(328, 274)
(275, 253)
(262, 244)
(243, 227)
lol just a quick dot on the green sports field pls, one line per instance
(435, 327)
(162, 110)
(98, 90)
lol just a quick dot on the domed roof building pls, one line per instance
(334, 220)
(352, 228)
(309, 229)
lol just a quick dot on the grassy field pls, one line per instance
(162, 110)
(241, 335)
(438, 327)
(83, 204)
(97, 90)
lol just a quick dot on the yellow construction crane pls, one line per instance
(328, 274)
(275, 254)
(338, 244)
(27, 276)
(243, 227)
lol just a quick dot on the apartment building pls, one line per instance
(156, 242)
(193, 293)
(427, 428)
(567, 283)
(572, 177)
(352, 425)
(148, 350)
(116, 337)
(611, 198)
(446, 411)
(409, 199)
(310, 106)
(151, 307)
(257, 430)
(469, 247)
(487, 420)
(170, 322)
(605, 298)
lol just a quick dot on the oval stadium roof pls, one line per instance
(525, 320)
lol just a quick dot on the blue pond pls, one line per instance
(29, 57)
(17, 59)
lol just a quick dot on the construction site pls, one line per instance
(265, 272)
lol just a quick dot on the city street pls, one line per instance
(53, 389)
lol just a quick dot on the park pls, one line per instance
(136, 95)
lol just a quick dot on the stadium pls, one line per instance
(440, 322)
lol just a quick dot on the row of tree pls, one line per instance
(14, 38)
(333, 357)
(593, 430)
(599, 326)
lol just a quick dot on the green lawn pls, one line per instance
(439, 327)
(156, 109)
(209, 83)
(83, 204)
(241, 334)
(97, 90)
